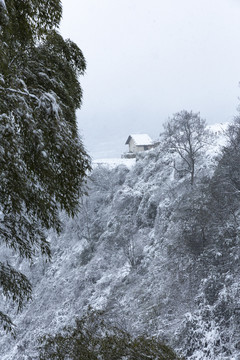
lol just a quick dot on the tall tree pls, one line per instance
(43, 163)
(225, 184)
(185, 134)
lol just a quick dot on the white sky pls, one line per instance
(147, 59)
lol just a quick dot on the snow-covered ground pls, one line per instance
(112, 163)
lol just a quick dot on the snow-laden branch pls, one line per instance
(42, 100)
(19, 92)
(2, 3)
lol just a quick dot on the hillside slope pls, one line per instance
(139, 252)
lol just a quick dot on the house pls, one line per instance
(139, 142)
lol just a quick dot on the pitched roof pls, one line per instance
(140, 139)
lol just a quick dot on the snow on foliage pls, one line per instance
(2, 3)
(43, 162)
(151, 251)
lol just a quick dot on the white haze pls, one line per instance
(149, 59)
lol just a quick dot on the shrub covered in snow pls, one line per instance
(92, 338)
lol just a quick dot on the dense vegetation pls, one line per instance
(157, 253)
(93, 338)
(42, 160)
(185, 231)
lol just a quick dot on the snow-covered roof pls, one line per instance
(140, 139)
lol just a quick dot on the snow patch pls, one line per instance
(112, 163)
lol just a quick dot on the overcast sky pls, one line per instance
(147, 59)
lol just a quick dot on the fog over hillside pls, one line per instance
(157, 255)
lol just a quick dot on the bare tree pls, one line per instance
(186, 135)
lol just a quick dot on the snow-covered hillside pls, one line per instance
(135, 252)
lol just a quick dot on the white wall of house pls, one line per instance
(138, 148)
(132, 146)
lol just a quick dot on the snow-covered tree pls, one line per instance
(94, 338)
(226, 180)
(185, 134)
(225, 185)
(42, 160)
